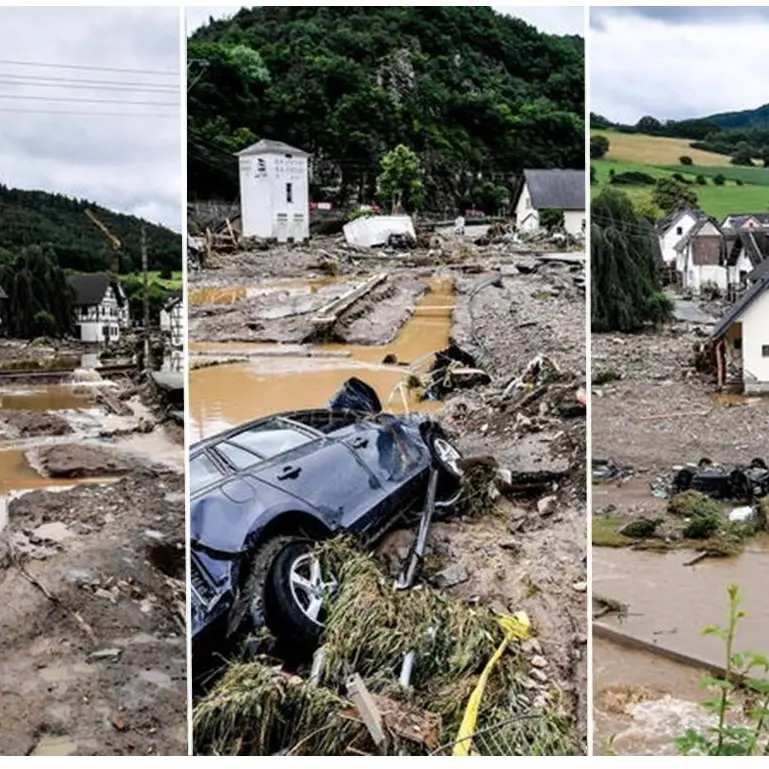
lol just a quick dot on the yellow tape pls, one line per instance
(515, 626)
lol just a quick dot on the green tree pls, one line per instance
(701, 179)
(401, 181)
(685, 160)
(39, 298)
(743, 154)
(626, 293)
(670, 195)
(649, 125)
(719, 180)
(647, 209)
(599, 146)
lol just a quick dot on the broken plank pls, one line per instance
(329, 314)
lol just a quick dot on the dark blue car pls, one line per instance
(264, 492)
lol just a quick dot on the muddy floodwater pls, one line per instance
(669, 603)
(47, 398)
(224, 396)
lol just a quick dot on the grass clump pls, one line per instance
(693, 504)
(606, 531)
(256, 710)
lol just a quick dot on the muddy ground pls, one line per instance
(93, 654)
(651, 412)
(531, 552)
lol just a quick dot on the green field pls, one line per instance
(752, 196)
(172, 284)
(658, 157)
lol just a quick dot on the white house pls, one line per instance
(562, 190)
(701, 258)
(672, 229)
(746, 221)
(742, 340)
(172, 320)
(748, 252)
(101, 307)
(274, 191)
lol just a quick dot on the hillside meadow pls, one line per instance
(659, 157)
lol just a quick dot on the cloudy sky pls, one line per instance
(677, 62)
(562, 20)
(74, 127)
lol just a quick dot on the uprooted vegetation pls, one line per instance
(256, 709)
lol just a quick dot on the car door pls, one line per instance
(311, 467)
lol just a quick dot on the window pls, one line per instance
(289, 193)
(765, 350)
(269, 439)
(679, 230)
(238, 457)
(202, 472)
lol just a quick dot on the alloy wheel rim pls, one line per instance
(308, 587)
(448, 455)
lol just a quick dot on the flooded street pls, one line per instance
(669, 604)
(225, 395)
(644, 698)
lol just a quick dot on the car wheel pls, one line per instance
(297, 592)
(758, 464)
(683, 481)
(448, 459)
(739, 484)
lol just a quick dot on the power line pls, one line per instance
(81, 113)
(161, 73)
(87, 101)
(63, 82)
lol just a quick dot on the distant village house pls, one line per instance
(274, 192)
(701, 258)
(742, 342)
(561, 190)
(172, 320)
(101, 307)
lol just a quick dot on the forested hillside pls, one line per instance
(477, 95)
(59, 224)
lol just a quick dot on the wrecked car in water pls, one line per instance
(724, 481)
(263, 493)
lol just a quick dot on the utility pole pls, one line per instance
(146, 301)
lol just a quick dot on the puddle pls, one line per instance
(55, 746)
(670, 604)
(232, 294)
(59, 397)
(223, 396)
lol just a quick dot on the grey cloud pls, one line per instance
(680, 14)
(128, 159)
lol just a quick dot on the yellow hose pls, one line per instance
(515, 626)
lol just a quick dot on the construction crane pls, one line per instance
(113, 239)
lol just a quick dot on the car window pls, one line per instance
(202, 472)
(270, 439)
(237, 456)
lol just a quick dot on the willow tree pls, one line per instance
(626, 291)
(39, 298)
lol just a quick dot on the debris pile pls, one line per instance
(259, 709)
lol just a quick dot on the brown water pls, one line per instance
(223, 396)
(670, 604)
(46, 398)
(17, 475)
(642, 701)
(232, 294)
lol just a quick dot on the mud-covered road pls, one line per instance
(92, 599)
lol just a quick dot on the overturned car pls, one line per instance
(263, 493)
(736, 482)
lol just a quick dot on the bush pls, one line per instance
(631, 177)
(679, 178)
(701, 179)
(551, 218)
(738, 182)
(599, 146)
(693, 504)
(719, 180)
(685, 160)
(659, 308)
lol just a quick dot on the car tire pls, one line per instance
(447, 459)
(758, 464)
(704, 462)
(683, 480)
(294, 614)
(739, 485)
